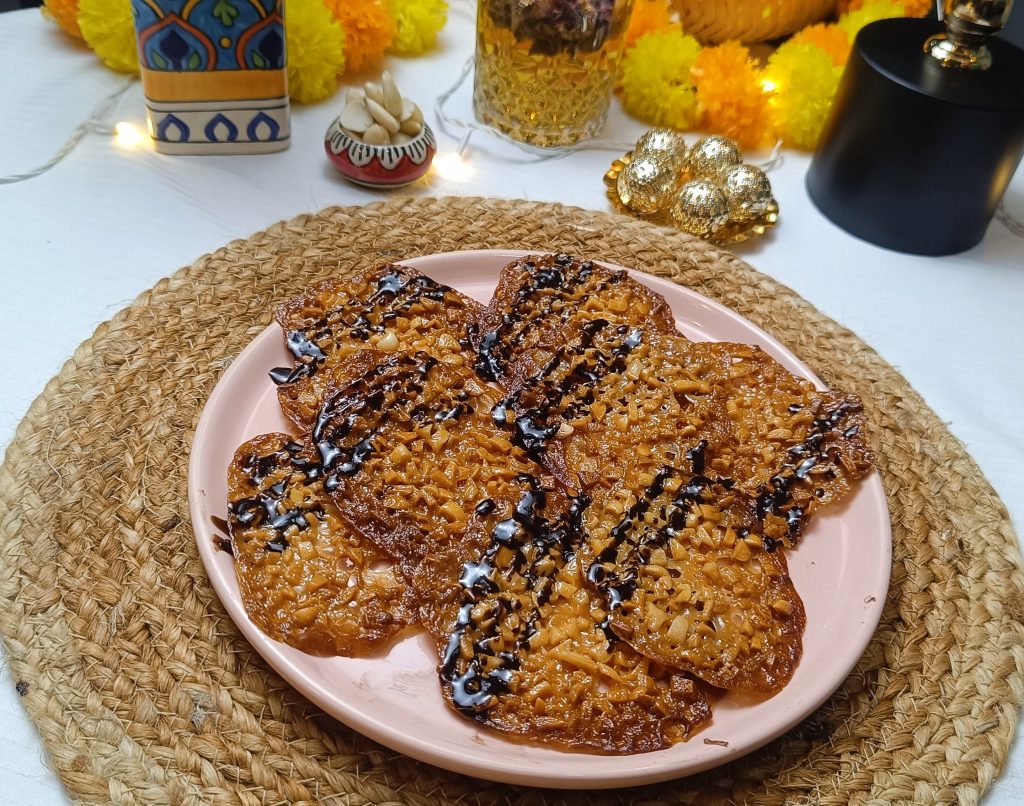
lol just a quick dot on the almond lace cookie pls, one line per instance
(410, 452)
(306, 577)
(389, 308)
(690, 583)
(610, 397)
(619, 401)
(542, 300)
(527, 648)
(789, 446)
(413, 458)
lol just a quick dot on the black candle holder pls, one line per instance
(917, 152)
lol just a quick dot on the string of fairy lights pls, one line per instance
(454, 165)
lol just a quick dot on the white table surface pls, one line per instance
(109, 221)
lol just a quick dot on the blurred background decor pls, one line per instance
(325, 38)
(713, 21)
(926, 131)
(677, 71)
(214, 75)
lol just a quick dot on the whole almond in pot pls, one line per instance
(382, 116)
(392, 98)
(375, 92)
(376, 135)
(411, 127)
(356, 117)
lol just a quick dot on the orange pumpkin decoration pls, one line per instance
(713, 21)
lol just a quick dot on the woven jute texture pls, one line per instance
(144, 691)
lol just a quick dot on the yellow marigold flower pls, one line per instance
(109, 29)
(65, 14)
(656, 84)
(730, 98)
(805, 81)
(872, 10)
(647, 16)
(830, 38)
(417, 23)
(369, 29)
(316, 55)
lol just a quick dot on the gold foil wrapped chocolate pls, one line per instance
(710, 194)
(711, 155)
(664, 144)
(700, 208)
(646, 183)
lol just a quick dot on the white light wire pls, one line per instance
(1003, 216)
(95, 123)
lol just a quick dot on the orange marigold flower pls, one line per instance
(730, 98)
(65, 14)
(918, 8)
(647, 16)
(369, 29)
(830, 38)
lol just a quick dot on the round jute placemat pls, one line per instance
(144, 692)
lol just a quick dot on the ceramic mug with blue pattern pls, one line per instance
(215, 74)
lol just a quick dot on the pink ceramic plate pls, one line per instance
(841, 570)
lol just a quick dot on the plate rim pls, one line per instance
(634, 774)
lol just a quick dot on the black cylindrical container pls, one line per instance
(915, 156)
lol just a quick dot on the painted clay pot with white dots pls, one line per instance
(380, 138)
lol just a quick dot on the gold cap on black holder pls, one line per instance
(969, 25)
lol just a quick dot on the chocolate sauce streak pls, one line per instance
(363, 402)
(350, 421)
(343, 435)
(396, 292)
(272, 508)
(616, 569)
(564, 388)
(776, 497)
(563, 280)
(539, 549)
(221, 541)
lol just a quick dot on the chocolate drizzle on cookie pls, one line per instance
(369, 403)
(565, 386)
(560, 277)
(272, 508)
(397, 291)
(502, 602)
(351, 419)
(616, 568)
(776, 497)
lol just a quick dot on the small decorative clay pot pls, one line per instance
(380, 166)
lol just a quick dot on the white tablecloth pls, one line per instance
(109, 221)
